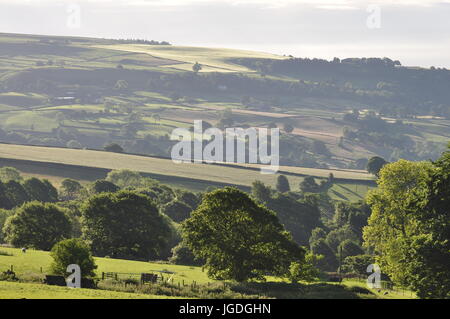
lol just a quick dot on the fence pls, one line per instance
(139, 277)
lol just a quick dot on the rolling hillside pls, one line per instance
(66, 91)
(58, 163)
(72, 93)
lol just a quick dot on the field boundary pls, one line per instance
(283, 169)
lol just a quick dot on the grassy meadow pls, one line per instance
(13, 290)
(212, 59)
(350, 185)
(33, 260)
(28, 267)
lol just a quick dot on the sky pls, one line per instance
(416, 32)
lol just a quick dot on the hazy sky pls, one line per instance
(417, 32)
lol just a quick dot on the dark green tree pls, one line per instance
(375, 165)
(288, 128)
(349, 248)
(357, 264)
(113, 147)
(5, 201)
(338, 235)
(16, 193)
(316, 234)
(189, 198)
(177, 210)
(283, 184)
(70, 188)
(299, 217)
(261, 192)
(42, 191)
(102, 186)
(37, 225)
(182, 255)
(329, 261)
(309, 185)
(124, 225)
(197, 67)
(239, 239)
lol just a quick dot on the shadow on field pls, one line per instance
(339, 195)
(281, 290)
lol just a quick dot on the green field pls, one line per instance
(28, 265)
(33, 260)
(351, 184)
(212, 60)
(13, 290)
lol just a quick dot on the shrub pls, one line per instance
(72, 251)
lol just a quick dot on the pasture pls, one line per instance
(28, 266)
(14, 290)
(32, 261)
(351, 184)
(211, 59)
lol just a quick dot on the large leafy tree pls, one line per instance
(299, 217)
(375, 164)
(126, 178)
(177, 210)
(16, 193)
(9, 174)
(283, 184)
(42, 191)
(37, 225)
(124, 224)
(329, 261)
(309, 185)
(409, 225)
(428, 254)
(400, 184)
(239, 239)
(5, 201)
(70, 189)
(261, 192)
(72, 251)
(103, 186)
(357, 264)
